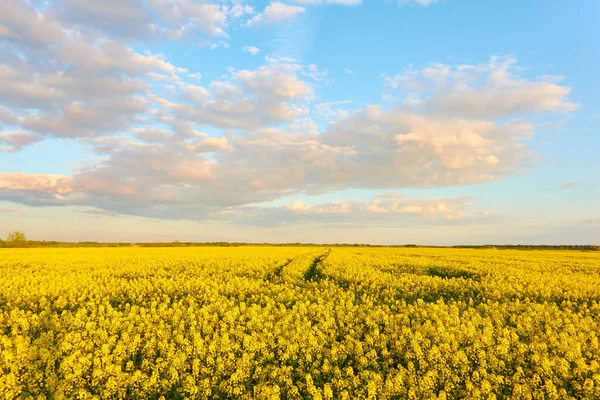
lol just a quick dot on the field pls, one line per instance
(299, 322)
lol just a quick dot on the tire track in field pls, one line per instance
(303, 268)
(314, 273)
(276, 275)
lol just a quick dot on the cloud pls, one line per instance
(211, 19)
(100, 212)
(394, 204)
(339, 207)
(178, 171)
(119, 17)
(247, 99)
(489, 91)
(387, 209)
(331, 109)
(509, 100)
(134, 19)
(227, 213)
(336, 2)
(14, 141)
(348, 71)
(87, 119)
(276, 13)
(413, 150)
(47, 183)
(168, 146)
(112, 56)
(74, 86)
(123, 19)
(24, 25)
(251, 50)
(416, 2)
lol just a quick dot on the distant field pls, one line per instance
(299, 322)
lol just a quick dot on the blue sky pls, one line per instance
(423, 121)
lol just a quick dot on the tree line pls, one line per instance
(18, 239)
(582, 247)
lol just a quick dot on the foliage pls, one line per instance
(299, 322)
(176, 243)
(15, 239)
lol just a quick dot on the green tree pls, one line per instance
(16, 238)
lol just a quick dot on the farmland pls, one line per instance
(299, 322)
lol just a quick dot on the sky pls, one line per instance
(334, 121)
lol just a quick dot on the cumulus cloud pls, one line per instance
(74, 85)
(169, 146)
(388, 204)
(24, 25)
(252, 50)
(123, 19)
(489, 91)
(276, 13)
(341, 207)
(332, 109)
(224, 214)
(111, 55)
(246, 99)
(390, 208)
(336, 2)
(46, 183)
(87, 119)
(443, 208)
(120, 17)
(149, 19)
(416, 2)
(178, 170)
(14, 141)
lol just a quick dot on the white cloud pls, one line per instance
(442, 208)
(297, 206)
(381, 210)
(251, 50)
(276, 13)
(178, 171)
(120, 17)
(113, 55)
(227, 213)
(15, 141)
(77, 78)
(417, 2)
(335, 2)
(489, 90)
(47, 183)
(22, 24)
(151, 18)
(332, 109)
(94, 118)
(246, 99)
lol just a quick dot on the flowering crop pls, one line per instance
(299, 322)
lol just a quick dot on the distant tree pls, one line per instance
(16, 238)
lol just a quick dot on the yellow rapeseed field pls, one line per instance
(299, 322)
